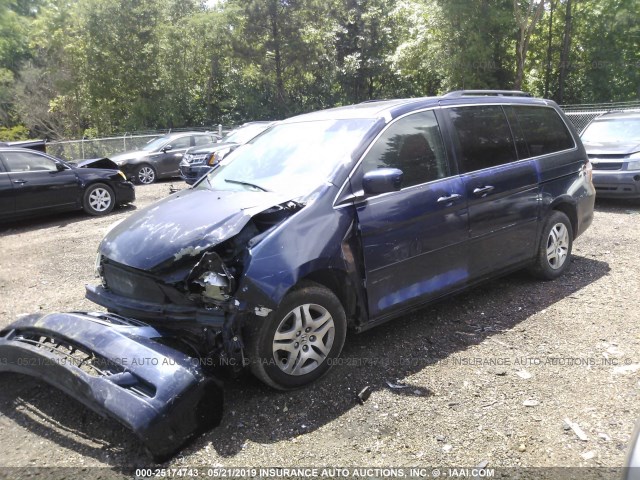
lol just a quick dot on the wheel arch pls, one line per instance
(339, 283)
(569, 208)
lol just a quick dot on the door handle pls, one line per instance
(482, 191)
(20, 182)
(451, 198)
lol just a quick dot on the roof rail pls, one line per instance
(487, 93)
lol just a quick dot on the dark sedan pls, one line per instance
(33, 183)
(161, 156)
(198, 160)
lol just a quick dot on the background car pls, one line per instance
(161, 156)
(32, 182)
(198, 160)
(612, 142)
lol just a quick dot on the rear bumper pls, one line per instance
(617, 184)
(115, 367)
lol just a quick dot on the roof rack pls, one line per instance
(487, 93)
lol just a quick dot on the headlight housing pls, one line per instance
(634, 161)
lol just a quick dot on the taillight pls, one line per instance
(588, 170)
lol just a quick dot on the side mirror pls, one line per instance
(60, 167)
(166, 148)
(382, 180)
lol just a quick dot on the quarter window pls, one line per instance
(543, 129)
(412, 144)
(483, 137)
(28, 162)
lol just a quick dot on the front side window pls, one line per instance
(483, 137)
(28, 162)
(412, 144)
(543, 129)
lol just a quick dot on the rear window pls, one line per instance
(543, 130)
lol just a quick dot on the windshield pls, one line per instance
(244, 134)
(155, 144)
(294, 157)
(625, 130)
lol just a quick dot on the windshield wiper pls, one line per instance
(248, 184)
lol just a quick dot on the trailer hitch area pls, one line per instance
(117, 367)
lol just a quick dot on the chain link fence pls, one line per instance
(106, 147)
(581, 115)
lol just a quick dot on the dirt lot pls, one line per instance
(490, 375)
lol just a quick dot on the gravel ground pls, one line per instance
(488, 376)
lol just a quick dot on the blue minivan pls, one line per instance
(347, 218)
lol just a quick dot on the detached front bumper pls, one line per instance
(117, 368)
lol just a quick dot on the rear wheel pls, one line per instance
(297, 343)
(144, 175)
(554, 252)
(98, 199)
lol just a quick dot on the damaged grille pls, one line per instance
(94, 365)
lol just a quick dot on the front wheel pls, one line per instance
(297, 343)
(554, 253)
(98, 199)
(144, 175)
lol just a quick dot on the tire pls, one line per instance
(554, 252)
(145, 174)
(282, 348)
(98, 199)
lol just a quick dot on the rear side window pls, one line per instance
(182, 142)
(543, 130)
(412, 144)
(483, 137)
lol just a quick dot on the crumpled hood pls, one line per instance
(183, 224)
(611, 148)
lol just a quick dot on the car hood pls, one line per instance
(210, 148)
(183, 224)
(611, 148)
(133, 154)
(102, 163)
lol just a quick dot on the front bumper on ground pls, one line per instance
(116, 367)
(617, 184)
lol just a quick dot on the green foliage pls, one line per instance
(69, 69)
(19, 132)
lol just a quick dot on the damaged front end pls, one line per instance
(120, 368)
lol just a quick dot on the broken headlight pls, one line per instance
(212, 279)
